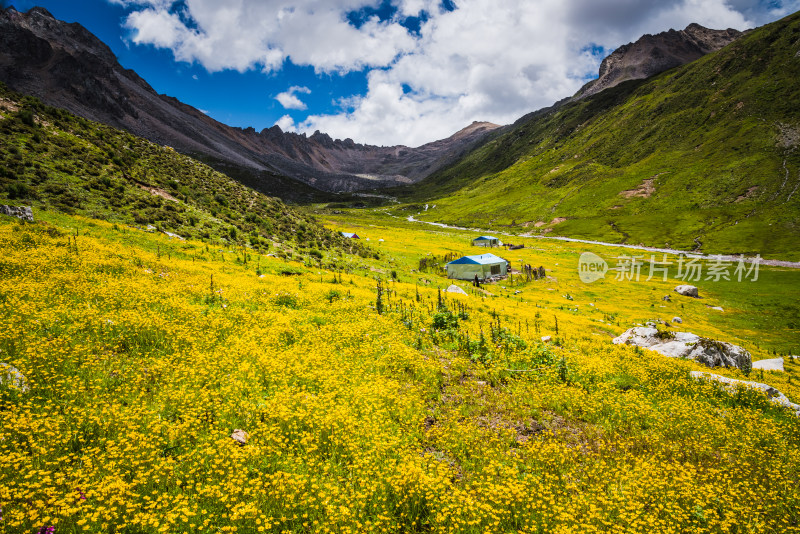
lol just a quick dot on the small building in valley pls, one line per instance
(350, 235)
(486, 241)
(483, 266)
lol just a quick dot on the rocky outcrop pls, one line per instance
(731, 384)
(20, 212)
(687, 345)
(68, 67)
(653, 54)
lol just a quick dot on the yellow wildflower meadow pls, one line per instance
(404, 412)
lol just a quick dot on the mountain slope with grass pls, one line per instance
(704, 156)
(53, 160)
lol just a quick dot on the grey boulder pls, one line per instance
(22, 212)
(687, 291)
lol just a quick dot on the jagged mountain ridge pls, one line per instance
(653, 54)
(67, 66)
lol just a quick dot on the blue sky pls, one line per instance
(381, 71)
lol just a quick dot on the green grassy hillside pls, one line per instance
(53, 160)
(703, 154)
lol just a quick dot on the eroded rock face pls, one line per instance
(687, 345)
(22, 212)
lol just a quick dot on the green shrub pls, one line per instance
(18, 191)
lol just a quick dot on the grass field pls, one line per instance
(373, 410)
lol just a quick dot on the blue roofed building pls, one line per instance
(483, 266)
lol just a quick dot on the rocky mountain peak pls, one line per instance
(652, 54)
(475, 127)
(40, 11)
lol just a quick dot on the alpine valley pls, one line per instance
(206, 328)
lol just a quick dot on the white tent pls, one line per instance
(486, 241)
(483, 266)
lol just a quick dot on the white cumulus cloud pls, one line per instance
(246, 34)
(289, 99)
(286, 123)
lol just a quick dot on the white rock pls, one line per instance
(546, 339)
(677, 320)
(718, 308)
(11, 378)
(239, 436)
(687, 291)
(730, 385)
(175, 236)
(774, 364)
(455, 289)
